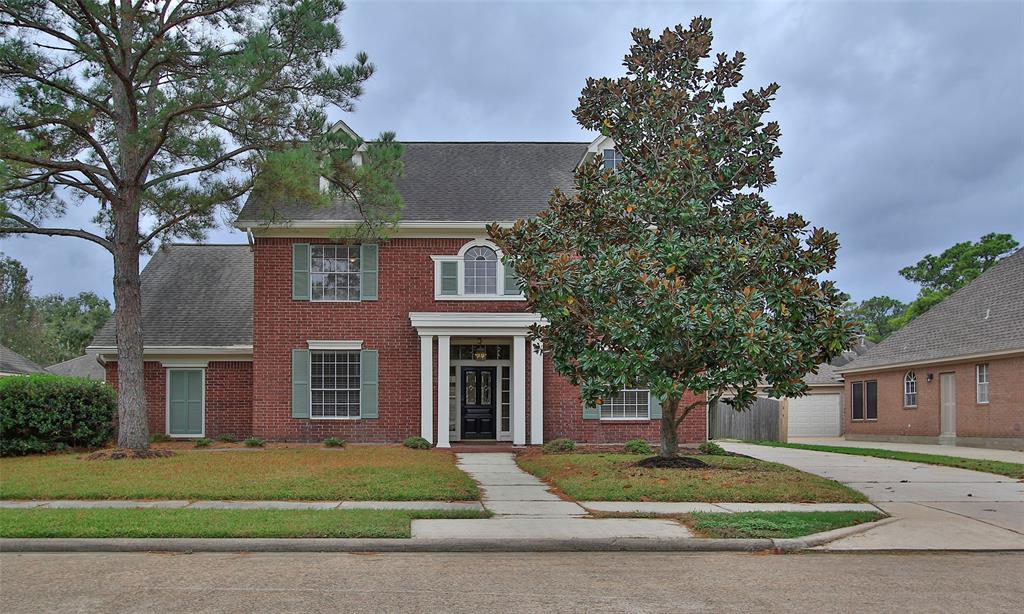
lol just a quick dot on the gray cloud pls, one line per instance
(902, 122)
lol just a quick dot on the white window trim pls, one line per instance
(314, 344)
(310, 380)
(906, 381)
(359, 276)
(459, 259)
(978, 383)
(167, 401)
(646, 418)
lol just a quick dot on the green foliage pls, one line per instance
(561, 445)
(672, 272)
(203, 442)
(774, 525)
(160, 438)
(637, 446)
(40, 413)
(334, 442)
(712, 449)
(416, 443)
(254, 442)
(227, 438)
(877, 315)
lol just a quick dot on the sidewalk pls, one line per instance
(1010, 456)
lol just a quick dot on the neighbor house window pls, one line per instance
(334, 379)
(481, 270)
(334, 272)
(630, 404)
(612, 159)
(864, 400)
(910, 389)
(981, 376)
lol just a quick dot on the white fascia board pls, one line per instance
(932, 361)
(315, 344)
(474, 324)
(325, 228)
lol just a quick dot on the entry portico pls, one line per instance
(482, 384)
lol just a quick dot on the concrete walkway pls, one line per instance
(524, 508)
(1010, 456)
(936, 507)
(684, 507)
(242, 505)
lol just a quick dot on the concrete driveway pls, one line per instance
(938, 507)
(1010, 456)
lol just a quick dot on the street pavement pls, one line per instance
(937, 507)
(528, 582)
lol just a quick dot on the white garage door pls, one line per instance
(815, 415)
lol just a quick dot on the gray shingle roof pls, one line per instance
(825, 376)
(194, 295)
(83, 366)
(12, 362)
(985, 316)
(458, 181)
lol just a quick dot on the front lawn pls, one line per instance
(357, 473)
(774, 525)
(1013, 470)
(612, 477)
(215, 523)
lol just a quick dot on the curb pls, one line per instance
(191, 545)
(817, 539)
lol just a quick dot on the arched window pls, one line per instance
(481, 270)
(910, 389)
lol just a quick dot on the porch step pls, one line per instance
(548, 528)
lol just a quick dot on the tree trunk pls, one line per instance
(669, 429)
(133, 430)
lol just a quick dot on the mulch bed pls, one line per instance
(678, 462)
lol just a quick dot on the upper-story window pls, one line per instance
(910, 389)
(612, 159)
(475, 273)
(334, 272)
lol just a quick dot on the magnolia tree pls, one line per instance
(160, 115)
(671, 272)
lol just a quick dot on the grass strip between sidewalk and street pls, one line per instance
(106, 522)
(773, 525)
(615, 477)
(356, 473)
(1013, 470)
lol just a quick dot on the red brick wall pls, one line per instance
(406, 274)
(228, 396)
(1002, 416)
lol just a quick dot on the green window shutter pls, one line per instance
(592, 413)
(300, 383)
(449, 277)
(300, 271)
(368, 272)
(511, 281)
(655, 406)
(368, 384)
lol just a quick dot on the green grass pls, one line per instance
(613, 477)
(359, 473)
(215, 523)
(768, 525)
(1013, 470)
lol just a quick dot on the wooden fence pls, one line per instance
(764, 421)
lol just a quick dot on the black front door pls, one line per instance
(478, 402)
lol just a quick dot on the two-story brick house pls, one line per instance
(298, 336)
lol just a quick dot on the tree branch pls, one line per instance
(28, 227)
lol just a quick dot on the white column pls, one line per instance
(427, 387)
(519, 390)
(443, 388)
(536, 397)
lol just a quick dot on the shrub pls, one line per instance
(637, 446)
(160, 438)
(227, 438)
(40, 413)
(712, 449)
(254, 442)
(416, 443)
(334, 442)
(203, 442)
(560, 445)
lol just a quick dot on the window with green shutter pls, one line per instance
(368, 271)
(300, 271)
(369, 385)
(511, 281)
(300, 383)
(449, 277)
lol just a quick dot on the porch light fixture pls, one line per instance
(479, 352)
(931, 377)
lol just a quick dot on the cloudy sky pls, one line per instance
(903, 123)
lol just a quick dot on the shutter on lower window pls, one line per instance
(511, 281)
(368, 384)
(654, 405)
(300, 271)
(368, 272)
(300, 383)
(449, 277)
(592, 412)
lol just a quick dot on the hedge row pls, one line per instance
(41, 413)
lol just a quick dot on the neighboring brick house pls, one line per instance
(299, 336)
(953, 375)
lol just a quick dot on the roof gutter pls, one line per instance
(931, 361)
